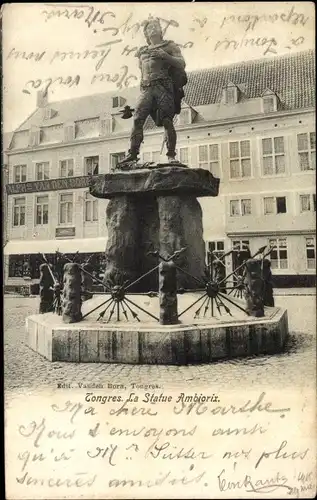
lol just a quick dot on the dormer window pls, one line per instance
(269, 101)
(230, 94)
(186, 116)
(118, 101)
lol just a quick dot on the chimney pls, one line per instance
(41, 99)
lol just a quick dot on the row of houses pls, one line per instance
(252, 124)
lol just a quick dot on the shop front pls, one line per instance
(22, 260)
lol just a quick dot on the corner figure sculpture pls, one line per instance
(163, 77)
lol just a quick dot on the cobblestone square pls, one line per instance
(26, 370)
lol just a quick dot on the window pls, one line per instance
(307, 202)
(66, 168)
(66, 208)
(107, 124)
(230, 94)
(19, 173)
(218, 247)
(19, 212)
(306, 145)
(115, 158)
(42, 171)
(269, 104)
(151, 156)
(92, 165)
(91, 208)
(183, 155)
(240, 159)
(208, 158)
(311, 253)
(241, 245)
(279, 253)
(34, 137)
(41, 210)
(274, 205)
(69, 132)
(273, 156)
(240, 207)
(118, 101)
(48, 113)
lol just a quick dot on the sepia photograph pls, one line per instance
(159, 250)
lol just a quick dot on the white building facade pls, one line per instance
(251, 124)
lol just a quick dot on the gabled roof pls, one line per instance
(291, 77)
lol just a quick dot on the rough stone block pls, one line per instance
(160, 181)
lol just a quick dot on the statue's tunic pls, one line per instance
(159, 95)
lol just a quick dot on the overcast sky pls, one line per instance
(254, 30)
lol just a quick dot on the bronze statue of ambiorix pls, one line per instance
(163, 77)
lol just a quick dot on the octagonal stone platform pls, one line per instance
(192, 341)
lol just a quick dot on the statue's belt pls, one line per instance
(152, 83)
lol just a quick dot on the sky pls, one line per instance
(79, 49)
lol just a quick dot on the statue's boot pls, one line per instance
(131, 156)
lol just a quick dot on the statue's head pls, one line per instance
(152, 30)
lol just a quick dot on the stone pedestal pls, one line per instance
(153, 210)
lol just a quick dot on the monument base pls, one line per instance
(192, 341)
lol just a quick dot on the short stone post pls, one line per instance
(72, 294)
(46, 290)
(254, 290)
(168, 293)
(268, 284)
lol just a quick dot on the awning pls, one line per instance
(84, 245)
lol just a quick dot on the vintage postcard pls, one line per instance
(159, 250)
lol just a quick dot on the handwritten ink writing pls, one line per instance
(152, 432)
(238, 431)
(230, 43)
(167, 478)
(36, 431)
(53, 482)
(126, 410)
(94, 17)
(122, 80)
(107, 452)
(26, 456)
(127, 27)
(34, 56)
(70, 407)
(252, 485)
(156, 450)
(277, 454)
(259, 406)
(292, 17)
(69, 81)
(127, 50)
(72, 12)
(237, 454)
(93, 54)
